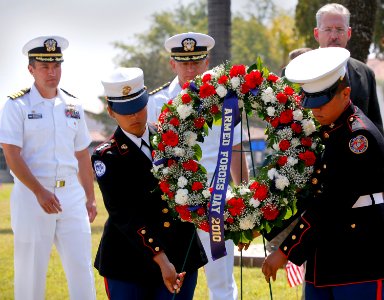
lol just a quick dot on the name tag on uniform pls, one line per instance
(35, 116)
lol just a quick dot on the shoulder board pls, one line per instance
(19, 93)
(70, 95)
(159, 88)
(356, 123)
(104, 146)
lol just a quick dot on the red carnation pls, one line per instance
(222, 80)
(275, 122)
(171, 162)
(214, 109)
(282, 160)
(170, 101)
(206, 78)
(270, 212)
(289, 91)
(282, 98)
(230, 220)
(284, 145)
(199, 122)
(184, 212)
(171, 195)
(164, 186)
(261, 192)
(254, 186)
(308, 157)
(237, 70)
(200, 211)
(253, 79)
(185, 85)
(204, 226)
(286, 116)
(296, 128)
(190, 165)
(207, 90)
(306, 141)
(196, 186)
(235, 206)
(186, 99)
(272, 78)
(175, 122)
(170, 138)
(161, 146)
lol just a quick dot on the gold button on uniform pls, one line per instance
(314, 180)
(318, 171)
(301, 226)
(293, 237)
(324, 166)
(351, 119)
(326, 135)
(143, 231)
(150, 240)
(165, 210)
(157, 249)
(167, 224)
(353, 226)
(285, 248)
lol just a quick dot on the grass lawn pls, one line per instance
(250, 281)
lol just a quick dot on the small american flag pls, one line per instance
(295, 274)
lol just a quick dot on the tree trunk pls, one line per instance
(363, 24)
(219, 27)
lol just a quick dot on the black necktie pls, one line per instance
(146, 149)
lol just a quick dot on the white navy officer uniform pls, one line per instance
(49, 132)
(193, 46)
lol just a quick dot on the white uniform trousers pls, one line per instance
(36, 231)
(219, 273)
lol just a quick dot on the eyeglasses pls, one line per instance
(336, 31)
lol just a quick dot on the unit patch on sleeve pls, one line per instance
(358, 144)
(99, 167)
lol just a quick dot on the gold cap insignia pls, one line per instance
(126, 89)
(189, 45)
(50, 45)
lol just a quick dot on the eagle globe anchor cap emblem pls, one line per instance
(50, 45)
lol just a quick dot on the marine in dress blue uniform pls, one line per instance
(139, 226)
(45, 140)
(345, 213)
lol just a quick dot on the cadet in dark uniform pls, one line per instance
(346, 211)
(144, 251)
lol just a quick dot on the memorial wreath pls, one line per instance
(292, 136)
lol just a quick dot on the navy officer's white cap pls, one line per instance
(318, 72)
(46, 48)
(125, 91)
(189, 46)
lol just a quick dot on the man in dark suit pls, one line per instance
(333, 30)
(144, 253)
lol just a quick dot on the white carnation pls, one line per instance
(179, 152)
(243, 191)
(295, 142)
(181, 196)
(221, 91)
(235, 82)
(292, 161)
(166, 171)
(254, 202)
(271, 111)
(182, 182)
(246, 223)
(184, 111)
(190, 138)
(298, 115)
(207, 194)
(281, 182)
(308, 126)
(271, 173)
(268, 95)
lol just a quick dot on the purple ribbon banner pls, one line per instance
(230, 114)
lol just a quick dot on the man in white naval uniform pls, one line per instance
(45, 138)
(189, 57)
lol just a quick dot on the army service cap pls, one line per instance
(125, 91)
(190, 46)
(46, 48)
(319, 73)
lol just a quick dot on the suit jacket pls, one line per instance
(363, 90)
(139, 223)
(331, 236)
